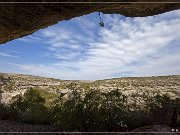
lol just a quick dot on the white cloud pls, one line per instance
(139, 47)
(30, 39)
(43, 70)
(7, 55)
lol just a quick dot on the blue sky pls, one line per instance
(80, 49)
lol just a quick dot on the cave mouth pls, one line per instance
(21, 18)
(80, 49)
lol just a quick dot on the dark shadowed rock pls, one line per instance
(21, 19)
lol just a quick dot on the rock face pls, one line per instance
(20, 19)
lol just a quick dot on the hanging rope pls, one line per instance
(101, 23)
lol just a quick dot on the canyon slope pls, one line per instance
(14, 84)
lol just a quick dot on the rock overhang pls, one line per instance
(24, 17)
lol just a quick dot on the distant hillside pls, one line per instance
(14, 84)
(150, 85)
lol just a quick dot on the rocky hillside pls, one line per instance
(141, 86)
(14, 84)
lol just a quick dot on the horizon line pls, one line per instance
(89, 79)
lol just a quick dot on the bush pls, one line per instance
(161, 105)
(3, 112)
(96, 111)
(93, 110)
(29, 108)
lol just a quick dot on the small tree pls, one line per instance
(29, 108)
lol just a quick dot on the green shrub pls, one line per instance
(29, 108)
(93, 110)
(3, 112)
(161, 105)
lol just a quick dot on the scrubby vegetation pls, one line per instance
(93, 110)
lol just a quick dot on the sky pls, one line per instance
(79, 49)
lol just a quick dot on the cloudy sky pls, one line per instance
(80, 49)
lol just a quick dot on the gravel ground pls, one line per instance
(10, 126)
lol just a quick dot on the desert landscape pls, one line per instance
(14, 84)
(141, 97)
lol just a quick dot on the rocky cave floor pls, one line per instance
(10, 127)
